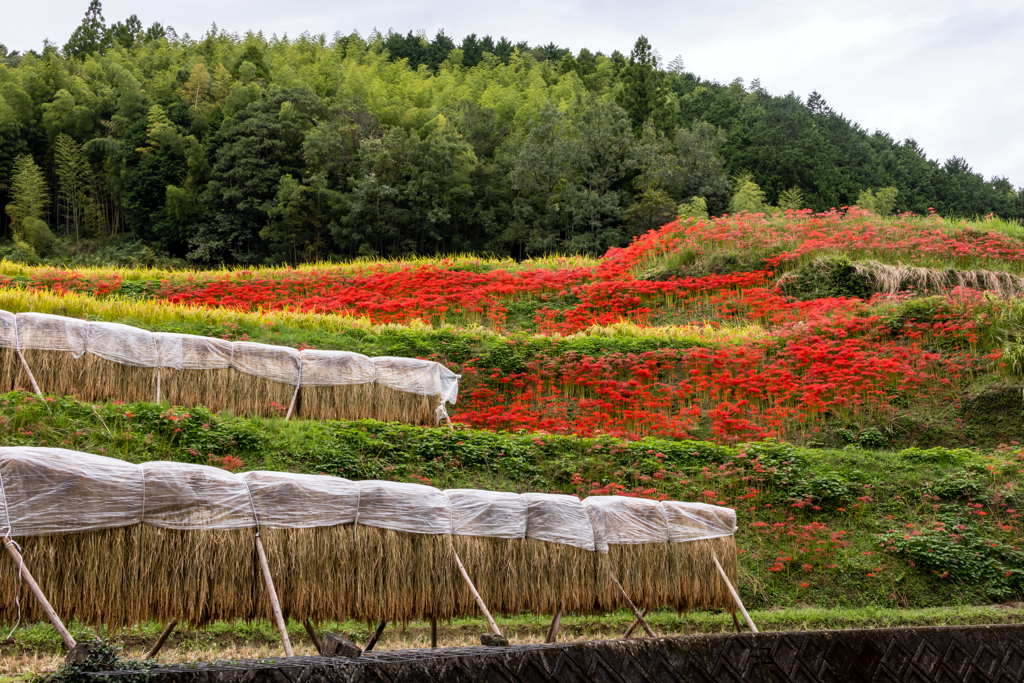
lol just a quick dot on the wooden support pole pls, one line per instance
(65, 635)
(376, 636)
(735, 622)
(31, 377)
(155, 650)
(274, 604)
(158, 385)
(632, 607)
(433, 632)
(735, 595)
(556, 622)
(313, 636)
(472, 589)
(291, 406)
(632, 627)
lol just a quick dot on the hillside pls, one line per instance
(861, 413)
(249, 150)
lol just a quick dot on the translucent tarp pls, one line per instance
(559, 519)
(8, 330)
(51, 490)
(335, 368)
(45, 332)
(695, 521)
(414, 508)
(184, 496)
(123, 344)
(618, 520)
(300, 501)
(190, 352)
(493, 514)
(276, 363)
(417, 376)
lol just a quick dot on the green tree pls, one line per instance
(792, 199)
(643, 89)
(29, 197)
(91, 34)
(748, 195)
(74, 180)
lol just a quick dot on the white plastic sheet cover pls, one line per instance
(183, 496)
(492, 514)
(622, 520)
(276, 363)
(8, 330)
(300, 501)
(123, 344)
(559, 519)
(190, 352)
(413, 508)
(45, 332)
(335, 368)
(52, 490)
(417, 376)
(696, 521)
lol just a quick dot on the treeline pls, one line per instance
(247, 149)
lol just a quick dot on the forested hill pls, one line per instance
(244, 149)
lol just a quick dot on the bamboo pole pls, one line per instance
(65, 635)
(376, 636)
(274, 605)
(632, 627)
(472, 589)
(433, 632)
(313, 636)
(735, 596)
(161, 640)
(291, 406)
(636, 612)
(31, 377)
(158, 385)
(556, 622)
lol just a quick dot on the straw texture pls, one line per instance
(346, 402)
(11, 374)
(101, 380)
(392, 405)
(56, 372)
(210, 388)
(119, 577)
(254, 395)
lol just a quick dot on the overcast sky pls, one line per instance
(947, 73)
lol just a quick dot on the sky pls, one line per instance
(944, 72)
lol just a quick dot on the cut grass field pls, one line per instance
(36, 648)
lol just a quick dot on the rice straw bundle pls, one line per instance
(198, 575)
(264, 378)
(10, 365)
(53, 347)
(84, 575)
(698, 585)
(407, 390)
(336, 385)
(195, 371)
(401, 576)
(100, 380)
(393, 405)
(120, 364)
(314, 571)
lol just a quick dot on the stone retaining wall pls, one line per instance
(975, 654)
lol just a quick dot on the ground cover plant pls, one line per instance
(850, 384)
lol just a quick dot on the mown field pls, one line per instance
(850, 384)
